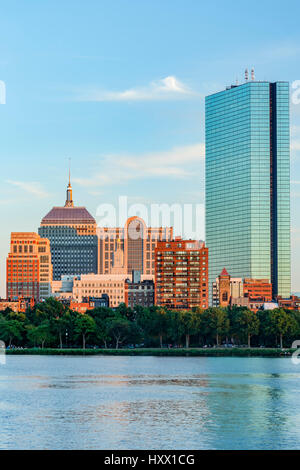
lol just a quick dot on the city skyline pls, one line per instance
(128, 129)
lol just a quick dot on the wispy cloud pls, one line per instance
(165, 89)
(117, 169)
(34, 188)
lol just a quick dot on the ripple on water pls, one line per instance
(58, 402)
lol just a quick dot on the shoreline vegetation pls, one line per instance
(190, 352)
(231, 331)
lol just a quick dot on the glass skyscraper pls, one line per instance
(248, 183)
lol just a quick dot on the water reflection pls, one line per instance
(187, 403)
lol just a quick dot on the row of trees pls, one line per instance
(52, 324)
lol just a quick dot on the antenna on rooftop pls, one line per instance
(252, 75)
(246, 75)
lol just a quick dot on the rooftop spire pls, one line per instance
(69, 200)
(224, 272)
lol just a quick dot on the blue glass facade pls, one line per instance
(71, 253)
(248, 183)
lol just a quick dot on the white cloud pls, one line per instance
(117, 169)
(164, 89)
(30, 187)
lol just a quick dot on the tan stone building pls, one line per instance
(94, 285)
(124, 249)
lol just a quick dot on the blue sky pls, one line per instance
(119, 87)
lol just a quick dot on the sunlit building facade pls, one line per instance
(229, 291)
(132, 247)
(28, 267)
(248, 183)
(181, 274)
(73, 240)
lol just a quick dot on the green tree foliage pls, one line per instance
(39, 335)
(119, 328)
(53, 324)
(59, 326)
(244, 324)
(160, 324)
(215, 323)
(190, 324)
(10, 330)
(282, 323)
(84, 326)
(101, 317)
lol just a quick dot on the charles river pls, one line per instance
(107, 402)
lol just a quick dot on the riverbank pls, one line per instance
(201, 352)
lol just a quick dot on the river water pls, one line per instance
(108, 402)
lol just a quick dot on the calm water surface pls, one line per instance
(106, 402)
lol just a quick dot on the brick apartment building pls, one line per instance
(181, 274)
(28, 267)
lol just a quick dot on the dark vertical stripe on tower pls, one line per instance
(273, 189)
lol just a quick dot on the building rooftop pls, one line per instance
(69, 215)
(224, 272)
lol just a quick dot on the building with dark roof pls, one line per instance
(73, 240)
(138, 292)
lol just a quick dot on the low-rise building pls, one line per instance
(18, 306)
(139, 292)
(250, 293)
(90, 303)
(292, 303)
(94, 285)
